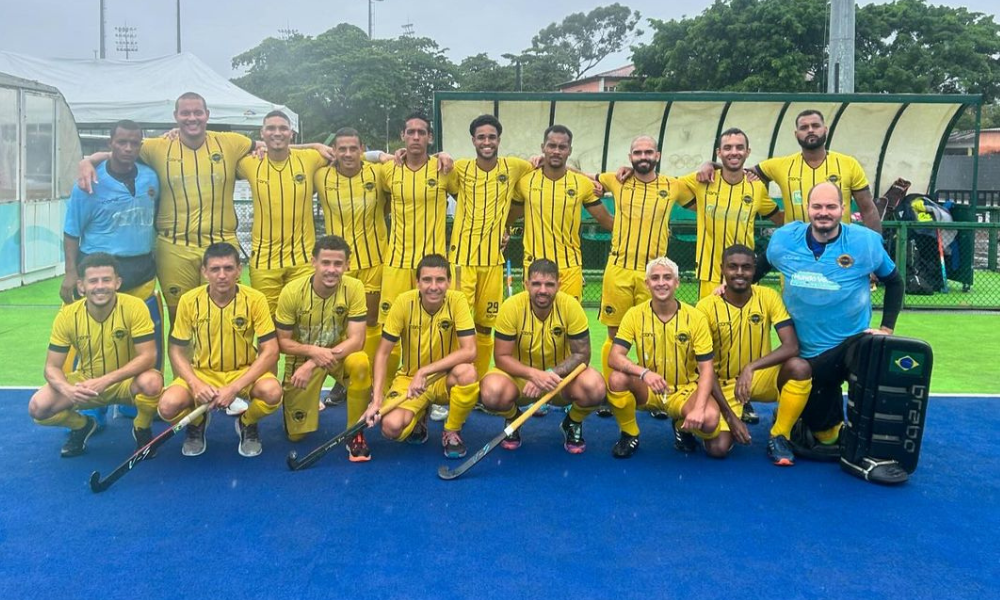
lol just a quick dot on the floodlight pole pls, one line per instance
(102, 29)
(371, 18)
(178, 26)
(840, 74)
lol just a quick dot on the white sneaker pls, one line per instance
(439, 412)
(237, 407)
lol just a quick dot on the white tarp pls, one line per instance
(104, 91)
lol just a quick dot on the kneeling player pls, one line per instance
(436, 334)
(740, 321)
(320, 324)
(541, 336)
(219, 322)
(113, 336)
(674, 373)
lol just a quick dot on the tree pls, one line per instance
(583, 40)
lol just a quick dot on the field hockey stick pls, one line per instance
(510, 280)
(944, 274)
(98, 485)
(309, 459)
(448, 474)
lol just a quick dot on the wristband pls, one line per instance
(643, 374)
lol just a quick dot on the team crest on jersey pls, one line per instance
(444, 325)
(502, 178)
(174, 290)
(756, 319)
(369, 186)
(385, 306)
(239, 322)
(845, 260)
(393, 394)
(833, 179)
(663, 193)
(299, 416)
(216, 157)
(557, 331)
(299, 178)
(609, 310)
(119, 334)
(432, 182)
(747, 200)
(340, 310)
(571, 193)
(453, 247)
(682, 337)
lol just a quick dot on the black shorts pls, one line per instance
(825, 407)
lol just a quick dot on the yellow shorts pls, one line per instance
(142, 291)
(394, 282)
(116, 393)
(570, 281)
(178, 268)
(270, 282)
(673, 404)
(437, 393)
(301, 407)
(706, 288)
(371, 277)
(219, 379)
(483, 287)
(621, 290)
(764, 388)
(520, 382)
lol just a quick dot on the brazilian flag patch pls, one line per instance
(906, 363)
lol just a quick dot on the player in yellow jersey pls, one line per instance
(745, 365)
(213, 353)
(354, 207)
(542, 334)
(727, 208)
(113, 335)
(434, 328)
(320, 324)
(550, 199)
(673, 372)
(281, 184)
(483, 188)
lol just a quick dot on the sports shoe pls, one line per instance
(452, 443)
(512, 441)
(357, 449)
(337, 395)
(419, 433)
(76, 443)
(573, 436)
(804, 444)
(542, 410)
(750, 416)
(626, 446)
(194, 440)
(249, 439)
(780, 451)
(143, 436)
(684, 441)
(658, 414)
(439, 412)
(604, 411)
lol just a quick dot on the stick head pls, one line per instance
(446, 473)
(292, 461)
(95, 483)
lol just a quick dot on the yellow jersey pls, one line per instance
(283, 232)
(541, 343)
(743, 335)
(796, 178)
(552, 215)
(222, 337)
(425, 338)
(196, 187)
(418, 202)
(102, 346)
(672, 349)
(354, 209)
(482, 204)
(642, 213)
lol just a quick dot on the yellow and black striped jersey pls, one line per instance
(418, 205)
(196, 187)
(552, 215)
(541, 343)
(743, 335)
(672, 349)
(319, 321)
(283, 233)
(102, 346)
(642, 214)
(354, 209)
(482, 204)
(425, 338)
(796, 179)
(222, 337)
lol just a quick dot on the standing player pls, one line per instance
(550, 198)
(745, 366)
(727, 208)
(113, 335)
(674, 371)
(213, 353)
(281, 184)
(541, 336)
(433, 326)
(320, 324)
(483, 188)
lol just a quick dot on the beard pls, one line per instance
(643, 167)
(819, 143)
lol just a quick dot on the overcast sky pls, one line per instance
(218, 30)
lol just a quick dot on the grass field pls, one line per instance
(965, 351)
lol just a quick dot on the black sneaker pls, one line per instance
(604, 411)
(684, 441)
(194, 440)
(337, 395)
(750, 416)
(142, 437)
(805, 445)
(626, 446)
(452, 443)
(419, 434)
(512, 441)
(76, 444)
(658, 414)
(780, 451)
(249, 439)
(573, 436)
(357, 449)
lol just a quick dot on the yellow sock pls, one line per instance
(145, 409)
(66, 418)
(791, 401)
(510, 413)
(257, 411)
(373, 337)
(623, 407)
(578, 414)
(359, 385)
(484, 353)
(605, 353)
(829, 436)
(462, 401)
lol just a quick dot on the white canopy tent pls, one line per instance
(104, 91)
